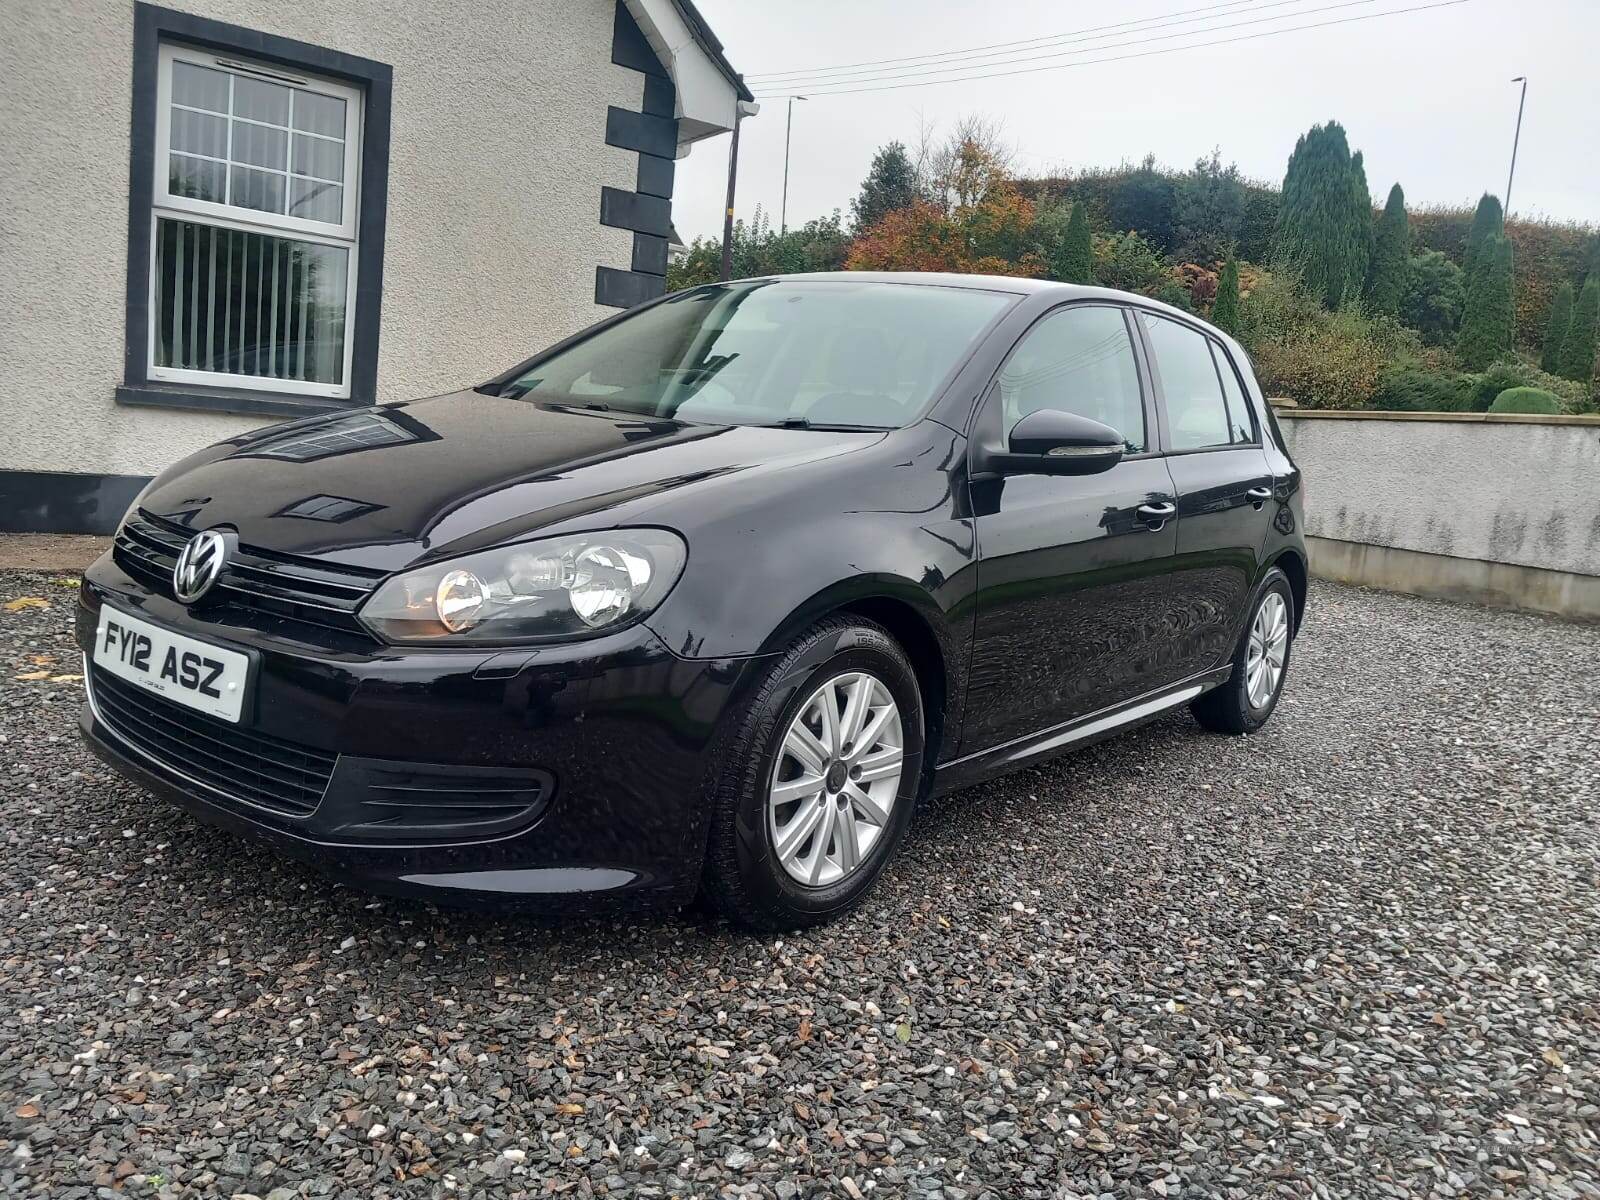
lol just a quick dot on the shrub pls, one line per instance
(1414, 388)
(1433, 298)
(1526, 400)
(1076, 259)
(1128, 262)
(1325, 214)
(1514, 373)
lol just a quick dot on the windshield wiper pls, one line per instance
(830, 426)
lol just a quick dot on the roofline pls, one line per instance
(707, 41)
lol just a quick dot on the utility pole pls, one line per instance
(1523, 80)
(783, 214)
(742, 109)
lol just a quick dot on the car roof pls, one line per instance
(988, 283)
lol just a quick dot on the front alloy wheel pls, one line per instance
(836, 780)
(816, 778)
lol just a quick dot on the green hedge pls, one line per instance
(1526, 400)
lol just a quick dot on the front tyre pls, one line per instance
(819, 781)
(1260, 665)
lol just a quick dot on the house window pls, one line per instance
(254, 234)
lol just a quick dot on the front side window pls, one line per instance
(1198, 414)
(839, 353)
(254, 214)
(1078, 360)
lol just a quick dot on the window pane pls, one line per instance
(315, 200)
(1079, 360)
(1189, 383)
(260, 101)
(199, 133)
(260, 146)
(249, 304)
(260, 190)
(319, 114)
(1241, 428)
(197, 178)
(199, 87)
(319, 157)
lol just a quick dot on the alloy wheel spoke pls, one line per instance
(856, 708)
(880, 765)
(796, 789)
(828, 706)
(847, 847)
(870, 735)
(825, 833)
(810, 753)
(806, 821)
(866, 805)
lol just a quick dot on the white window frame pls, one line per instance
(249, 220)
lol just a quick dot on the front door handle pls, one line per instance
(1259, 495)
(1156, 515)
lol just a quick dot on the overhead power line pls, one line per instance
(1245, 37)
(995, 49)
(1141, 40)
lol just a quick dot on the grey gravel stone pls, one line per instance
(1352, 955)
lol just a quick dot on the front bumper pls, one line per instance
(607, 742)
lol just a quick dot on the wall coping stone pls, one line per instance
(1591, 421)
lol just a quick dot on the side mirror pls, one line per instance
(1051, 442)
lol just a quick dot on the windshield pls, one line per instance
(831, 353)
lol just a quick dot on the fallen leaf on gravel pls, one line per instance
(65, 581)
(903, 1031)
(30, 676)
(569, 1110)
(1553, 1058)
(28, 1111)
(22, 602)
(804, 1033)
(65, 678)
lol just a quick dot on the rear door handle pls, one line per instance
(1156, 515)
(1259, 495)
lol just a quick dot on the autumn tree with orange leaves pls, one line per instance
(976, 223)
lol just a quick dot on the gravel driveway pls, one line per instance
(1355, 954)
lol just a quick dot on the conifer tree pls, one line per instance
(1319, 228)
(1577, 349)
(1225, 309)
(1076, 263)
(1488, 221)
(1391, 257)
(1487, 326)
(1555, 330)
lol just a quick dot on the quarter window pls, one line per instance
(1198, 415)
(1078, 360)
(254, 225)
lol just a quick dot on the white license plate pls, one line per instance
(183, 669)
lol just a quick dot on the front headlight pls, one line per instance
(554, 588)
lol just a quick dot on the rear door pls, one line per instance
(1072, 612)
(1224, 485)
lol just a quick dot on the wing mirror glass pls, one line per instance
(1052, 442)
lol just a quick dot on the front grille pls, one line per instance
(265, 581)
(263, 771)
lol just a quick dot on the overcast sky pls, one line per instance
(1425, 94)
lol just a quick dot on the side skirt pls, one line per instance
(1047, 743)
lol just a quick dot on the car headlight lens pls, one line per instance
(553, 588)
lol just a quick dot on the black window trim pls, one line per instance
(1161, 396)
(153, 25)
(1154, 430)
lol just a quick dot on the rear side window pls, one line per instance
(1078, 360)
(1198, 414)
(1241, 424)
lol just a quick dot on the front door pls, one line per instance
(1224, 484)
(1072, 592)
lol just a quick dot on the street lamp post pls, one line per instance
(788, 121)
(742, 109)
(1512, 174)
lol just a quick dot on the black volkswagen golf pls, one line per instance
(707, 596)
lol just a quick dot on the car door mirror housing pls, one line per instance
(1052, 442)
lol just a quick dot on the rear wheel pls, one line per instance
(820, 781)
(1260, 665)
